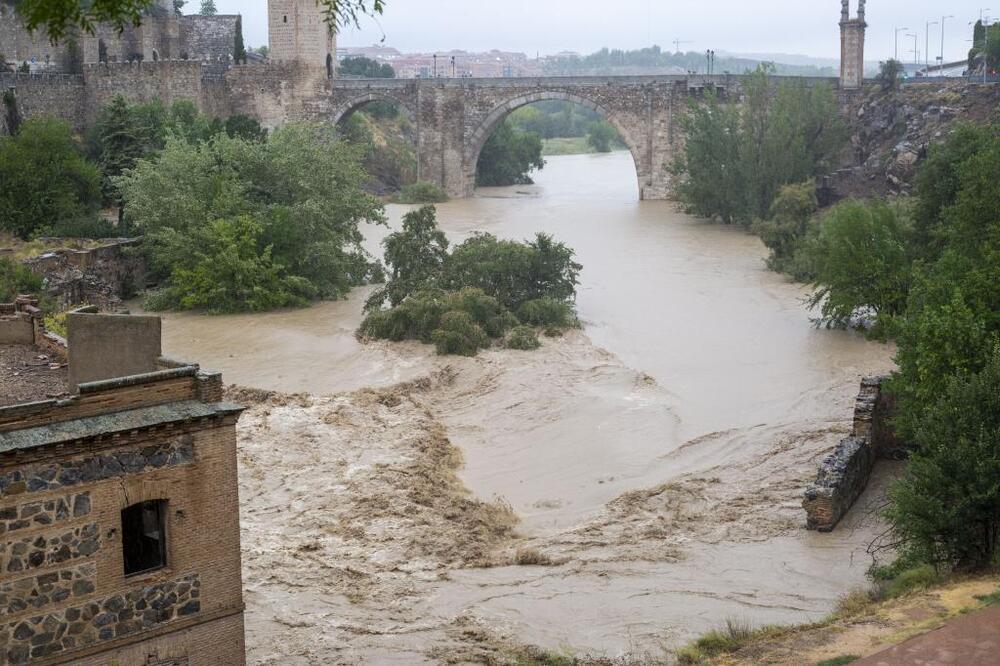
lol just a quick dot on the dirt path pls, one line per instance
(972, 640)
(930, 627)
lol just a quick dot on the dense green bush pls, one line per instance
(601, 136)
(485, 279)
(421, 192)
(44, 178)
(787, 225)
(16, 280)
(524, 338)
(547, 312)
(458, 333)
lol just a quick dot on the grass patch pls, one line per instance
(990, 599)
(735, 635)
(577, 145)
(917, 578)
(421, 192)
(839, 661)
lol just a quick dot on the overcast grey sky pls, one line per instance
(807, 27)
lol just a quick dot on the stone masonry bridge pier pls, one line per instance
(455, 117)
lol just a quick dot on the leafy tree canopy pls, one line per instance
(508, 157)
(44, 178)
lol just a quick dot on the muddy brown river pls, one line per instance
(658, 456)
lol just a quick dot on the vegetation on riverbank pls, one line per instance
(234, 224)
(485, 289)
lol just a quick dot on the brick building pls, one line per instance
(119, 510)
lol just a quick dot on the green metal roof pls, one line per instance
(106, 424)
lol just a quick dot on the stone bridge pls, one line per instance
(455, 117)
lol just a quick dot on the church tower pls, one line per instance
(852, 46)
(297, 32)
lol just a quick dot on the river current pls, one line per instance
(705, 377)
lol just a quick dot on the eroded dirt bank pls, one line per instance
(363, 545)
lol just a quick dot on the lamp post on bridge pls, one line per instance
(896, 52)
(916, 50)
(943, 19)
(927, 46)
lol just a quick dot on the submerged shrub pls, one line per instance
(524, 338)
(547, 312)
(421, 192)
(459, 334)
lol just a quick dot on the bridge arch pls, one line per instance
(348, 107)
(482, 132)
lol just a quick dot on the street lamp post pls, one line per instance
(943, 19)
(927, 46)
(435, 65)
(898, 30)
(916, 51)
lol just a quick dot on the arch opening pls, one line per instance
(531, 111)
(385, 130)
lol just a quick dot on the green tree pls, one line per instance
(44, 178)
(121, 144)
(179, 6)
(787, 223)
(301, 189)
(508, 157)
(208, 8)
(513, 272)
(890, 73)
(239, 48)
(736, 159)
(601, 135)
(946, 508)
(244, 127)
(365, 68)
(415, 258)
(862, 264)
(709, 172)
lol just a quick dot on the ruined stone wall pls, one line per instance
(101, 276)
(844, 474)
(64, 596)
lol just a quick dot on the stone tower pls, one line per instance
(298, 32)
(852, 46)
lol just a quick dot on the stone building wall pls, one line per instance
(166, 80)
(18, 45)
(208, 38)
(64, 596)
(297, 32)
(62, 96)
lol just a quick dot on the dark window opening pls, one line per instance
(144, 539)
(285, 18)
